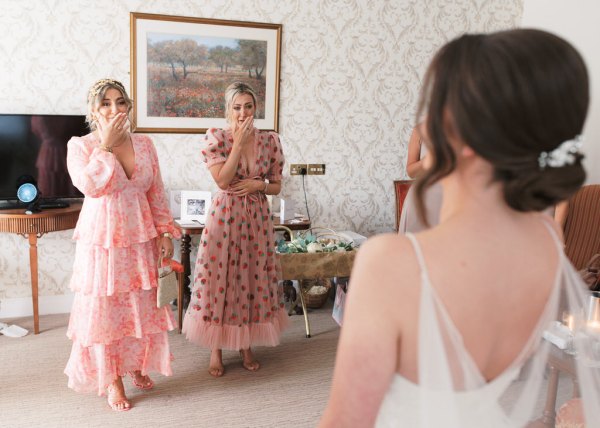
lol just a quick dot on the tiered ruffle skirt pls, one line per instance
(115, 325)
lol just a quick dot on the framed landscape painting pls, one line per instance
(181, 66)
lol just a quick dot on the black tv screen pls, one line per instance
(36, 145)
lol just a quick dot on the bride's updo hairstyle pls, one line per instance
(511, 96)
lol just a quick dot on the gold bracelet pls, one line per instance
(167, 235)
(105, 148)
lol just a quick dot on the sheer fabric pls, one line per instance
(452, 392)
(236, 300)
(115, 325)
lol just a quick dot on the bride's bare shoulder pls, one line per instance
(389, 243)
(386, 254)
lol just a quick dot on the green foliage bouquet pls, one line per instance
(310, 244)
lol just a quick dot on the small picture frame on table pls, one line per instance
(194, 206)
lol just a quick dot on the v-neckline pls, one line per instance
(129, 178)
(250, 167)
(452, 329)
(134, 161)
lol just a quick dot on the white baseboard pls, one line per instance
(22, 307)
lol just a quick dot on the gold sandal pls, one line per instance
(252, 366)
(117, 398)
(147, 383)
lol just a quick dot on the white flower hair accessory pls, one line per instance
(564, 154)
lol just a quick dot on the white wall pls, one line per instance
(350, 75)
(578, 22)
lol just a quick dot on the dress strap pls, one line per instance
(557, 241)
(420, 259)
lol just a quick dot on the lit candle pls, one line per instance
(570, 322)
(594, 325)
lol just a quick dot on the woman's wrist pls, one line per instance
(106, 148)
(167, 235)
(266, 187)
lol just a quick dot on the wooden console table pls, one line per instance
(186, 239)
(34, 226)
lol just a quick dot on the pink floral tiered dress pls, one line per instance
(236, 299)
(115, 325)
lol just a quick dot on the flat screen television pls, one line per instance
(36, 145)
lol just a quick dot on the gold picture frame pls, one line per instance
(180, 67)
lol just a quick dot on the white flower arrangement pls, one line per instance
(314, 247)
(310, 244)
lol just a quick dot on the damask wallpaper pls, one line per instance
(350, 76)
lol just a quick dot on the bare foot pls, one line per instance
(116, 396)
(216, 367)
(141, 381)
(248, 360)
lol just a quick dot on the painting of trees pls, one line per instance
(187, 76)
(180, 53)
(253, 56)
(223, 57)
(181, 66)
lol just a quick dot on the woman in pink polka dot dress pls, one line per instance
(236, 299)
(125, 222)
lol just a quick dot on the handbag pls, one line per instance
(168, 286)
(591, 273)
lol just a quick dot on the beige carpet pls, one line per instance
(290, 389)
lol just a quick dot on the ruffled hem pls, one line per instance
(99, 271)
(104, 320)
(93, 368)
(235, 337)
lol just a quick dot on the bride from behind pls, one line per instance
(439, 325)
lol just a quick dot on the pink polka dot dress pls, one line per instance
(115, 325)
(236, 299)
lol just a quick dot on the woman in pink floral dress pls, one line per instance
(125, 222)
(236, 300)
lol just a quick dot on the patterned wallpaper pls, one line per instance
(350, 76)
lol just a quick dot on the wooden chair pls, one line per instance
(400, 190)
(582, 225)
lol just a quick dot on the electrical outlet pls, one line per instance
(316, 169)
(298, 168)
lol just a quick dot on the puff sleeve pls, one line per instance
(157, 199)
(92, 170)
(277, 160)
(217, 147)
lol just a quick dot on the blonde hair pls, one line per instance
(232, 91)
(96, 95)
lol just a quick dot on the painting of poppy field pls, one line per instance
(181, 66)
(187, 75)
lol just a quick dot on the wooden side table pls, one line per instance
(32, 227)
(186, 239)
(558, 361)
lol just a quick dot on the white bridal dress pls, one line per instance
(451, 391)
